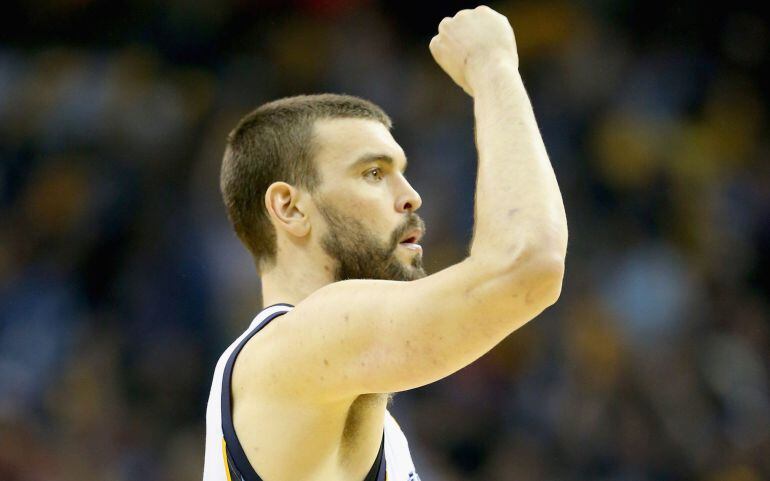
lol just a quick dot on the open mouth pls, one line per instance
(411, 245)
(411, 239)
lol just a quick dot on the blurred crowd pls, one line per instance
(121, 282)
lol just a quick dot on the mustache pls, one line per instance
(414, 221)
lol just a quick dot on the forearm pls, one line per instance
(519, 209)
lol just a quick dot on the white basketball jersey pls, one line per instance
(225, 459)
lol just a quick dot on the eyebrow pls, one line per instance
(367, 158)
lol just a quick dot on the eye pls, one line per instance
(376, 169)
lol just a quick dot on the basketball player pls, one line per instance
(315, 188)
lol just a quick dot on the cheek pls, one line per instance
(370, 204)
(372, 213)
(365, 202)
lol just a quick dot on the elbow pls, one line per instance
(544, 267)
(546, 281)
(539, 275)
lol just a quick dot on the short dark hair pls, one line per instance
(275, 143)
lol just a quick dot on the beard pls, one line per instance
(359, 254)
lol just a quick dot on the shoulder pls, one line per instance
(261, 365)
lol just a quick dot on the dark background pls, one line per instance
(121, 282)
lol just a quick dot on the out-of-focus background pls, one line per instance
(121, 282)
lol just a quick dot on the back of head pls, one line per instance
(275, 143)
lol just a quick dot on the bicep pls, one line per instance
(366, 336)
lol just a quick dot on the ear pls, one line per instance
(284, 205)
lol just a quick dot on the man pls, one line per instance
(314, 187)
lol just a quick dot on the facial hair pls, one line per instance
(360, 255)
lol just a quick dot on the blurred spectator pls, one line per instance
(121, 282)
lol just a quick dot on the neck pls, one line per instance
(290, 283)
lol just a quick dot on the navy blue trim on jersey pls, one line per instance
(238, 461)
(278, 304)
(235, 450)
(377, 471)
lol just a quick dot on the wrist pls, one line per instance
(483, 69)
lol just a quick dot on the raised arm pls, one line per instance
(366, 336)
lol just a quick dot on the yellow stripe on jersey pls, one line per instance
(224, 456)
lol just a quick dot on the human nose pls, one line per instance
(409, 200)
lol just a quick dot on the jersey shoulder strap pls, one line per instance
(237, 464)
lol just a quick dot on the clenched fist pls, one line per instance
(467, 42)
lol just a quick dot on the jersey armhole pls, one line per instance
(238, 461)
